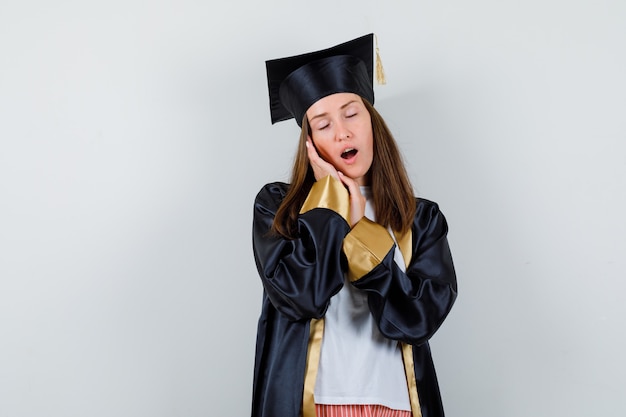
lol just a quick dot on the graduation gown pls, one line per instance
(300, 276)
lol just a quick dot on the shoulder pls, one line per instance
(423, 204)
(272, 194)
(428, 211)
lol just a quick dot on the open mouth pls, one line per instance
(348, 153)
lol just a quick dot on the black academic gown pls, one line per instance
(300, 276)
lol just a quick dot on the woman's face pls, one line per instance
(341, 130)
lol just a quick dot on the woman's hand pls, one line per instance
(320, 167)
(357, 200)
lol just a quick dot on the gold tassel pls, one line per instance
(380, 72)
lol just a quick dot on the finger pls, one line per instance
(312, 153)
(314, 157)
(310, 150)
(353, 188)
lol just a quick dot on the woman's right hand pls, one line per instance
(320, 167)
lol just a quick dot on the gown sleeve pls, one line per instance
(408, 306)
(299, 276)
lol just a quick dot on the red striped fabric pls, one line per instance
(367, 410)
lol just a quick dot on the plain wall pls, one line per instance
(133, 139)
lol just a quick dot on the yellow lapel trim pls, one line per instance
(409, 369)
(405, 243)
(316, 331)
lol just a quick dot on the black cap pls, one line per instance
(296, 82)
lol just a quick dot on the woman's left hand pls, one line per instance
(357, 200)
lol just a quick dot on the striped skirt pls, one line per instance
(368, 410)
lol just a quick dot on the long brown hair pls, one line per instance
(394, 203)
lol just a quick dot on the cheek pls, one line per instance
(322, 147)
(370, 153)
(369, 145)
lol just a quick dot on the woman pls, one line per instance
(357, 273)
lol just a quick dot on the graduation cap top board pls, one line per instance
(296, 82)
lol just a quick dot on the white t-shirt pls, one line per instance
(358, 365)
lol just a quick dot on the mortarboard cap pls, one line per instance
(296, 82)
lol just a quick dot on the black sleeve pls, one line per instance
(410, 306)
(299, 275)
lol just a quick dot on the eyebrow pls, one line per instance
(325, 114)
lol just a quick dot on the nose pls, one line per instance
(343, 133)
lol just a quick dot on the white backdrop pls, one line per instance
(134, 136)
